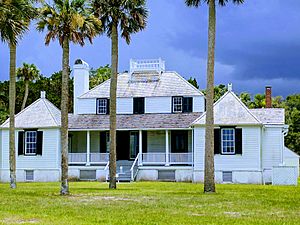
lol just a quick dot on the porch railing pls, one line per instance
(81, 158)
(154, 158)
(180, 158)
(173, 158)
(78, 158)
(99, 157)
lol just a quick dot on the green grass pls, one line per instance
(149, 203)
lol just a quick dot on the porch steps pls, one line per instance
(123, 170)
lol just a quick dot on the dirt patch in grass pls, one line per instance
(12, 220)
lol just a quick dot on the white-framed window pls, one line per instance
(228, 140)
(101, 106)
(177, 104)
(30, 142)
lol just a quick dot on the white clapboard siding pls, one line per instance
(272, 147)
(198, 104)
(249, 160)
(95, 141)
(158, 105)
(49, 158)
(124, 105)
(86, 106)
(199, 145)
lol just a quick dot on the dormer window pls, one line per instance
(177, 104)
(102, 106)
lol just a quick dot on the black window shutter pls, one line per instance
(21, 143)
(139, 105)
(39, 143)
(103, 142)
(217, 141)
(144, 141)
(107, 106)
(135, 106)
(188, 104)
(239, 141)
(142, 106)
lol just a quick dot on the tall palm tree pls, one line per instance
(15, 16)
(67, 21)
(128, 16)
(209, 170)
(27, 73)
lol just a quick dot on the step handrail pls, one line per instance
(133, 165)
(106, 169)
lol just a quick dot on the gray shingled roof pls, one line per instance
(169, 84)
(41, 113)
(143, 121)
(269, 115)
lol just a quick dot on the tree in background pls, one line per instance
(98, 76)
(209, 171)
(292, 115)
(15, 16)
(67, 21)
(27, 73)
(130, 17)
(193, 82)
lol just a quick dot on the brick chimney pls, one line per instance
(268, 97)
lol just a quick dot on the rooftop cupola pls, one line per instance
(81, 72)
(146, 70)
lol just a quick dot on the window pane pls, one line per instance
(30, 142)
(228, 141)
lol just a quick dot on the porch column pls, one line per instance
(167, 148)
(88, 148)
(140, 159)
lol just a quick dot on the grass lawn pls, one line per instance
(149, 203)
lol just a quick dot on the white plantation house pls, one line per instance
(160, 133)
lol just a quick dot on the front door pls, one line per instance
(123, 145)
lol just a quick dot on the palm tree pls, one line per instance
(27, 73)
(67, 21)
(209, 170)
(128, 16)
(15, 16)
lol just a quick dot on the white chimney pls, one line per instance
(81, 72)
(43, 94)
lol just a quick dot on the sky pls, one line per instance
(257, 44)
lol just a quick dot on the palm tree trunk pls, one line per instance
(12, 102)
(64, 118)
(113, 106)
(209, 171)
(26, 94)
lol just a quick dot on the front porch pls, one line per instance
(143, 148)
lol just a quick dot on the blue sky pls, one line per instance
(258, 44)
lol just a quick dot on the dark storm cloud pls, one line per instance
(258, 43)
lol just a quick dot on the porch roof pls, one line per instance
(138, 121)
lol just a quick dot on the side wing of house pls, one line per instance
(237, 143)
(37, 140)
